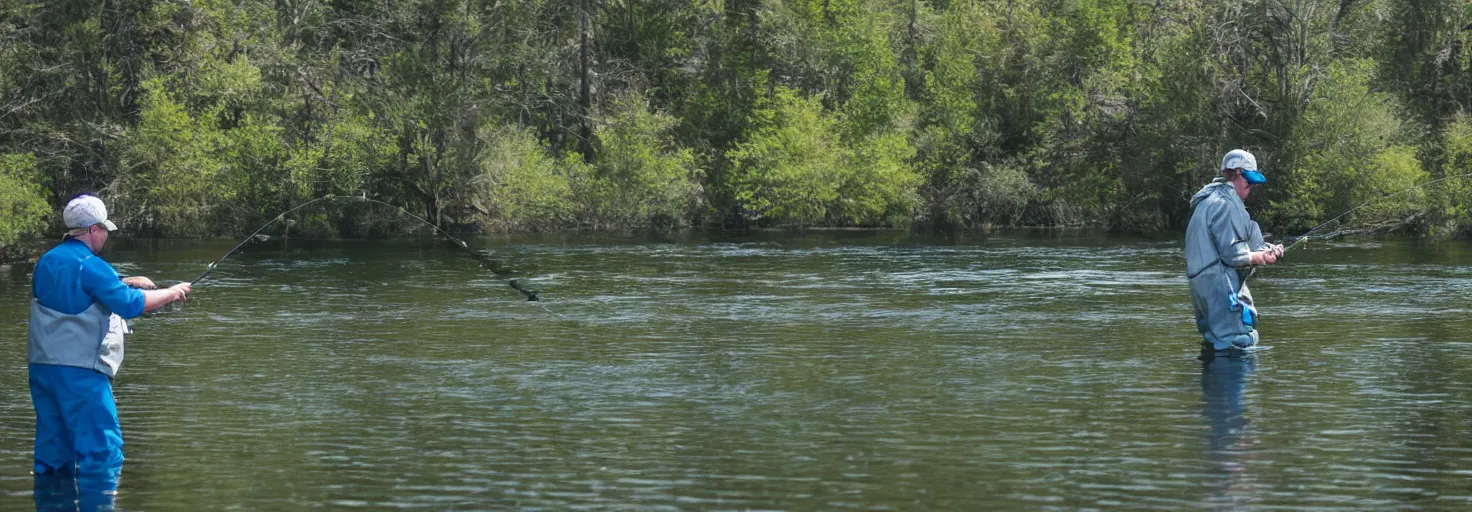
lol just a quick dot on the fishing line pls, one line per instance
(486, 261)
(1336, 218)
(1252, 271)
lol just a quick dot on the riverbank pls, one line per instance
(22, 252)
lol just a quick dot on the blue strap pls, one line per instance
(1247, 317)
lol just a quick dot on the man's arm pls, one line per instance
(1231, 233)
(102, 282)
(154, 299)
(140, 282)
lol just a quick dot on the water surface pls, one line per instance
(827, 371)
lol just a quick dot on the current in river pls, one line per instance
(832, 370)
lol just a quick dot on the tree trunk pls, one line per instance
(585, 95)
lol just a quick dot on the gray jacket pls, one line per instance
(1219, 240)
(1220, 230)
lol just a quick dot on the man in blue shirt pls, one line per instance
(76, 345)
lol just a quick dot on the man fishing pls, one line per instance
(1222, 244)
(76, 345)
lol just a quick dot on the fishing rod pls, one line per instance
(1252, 271)
(1336, 218)
(486, 261)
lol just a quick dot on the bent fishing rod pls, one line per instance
(494, 266)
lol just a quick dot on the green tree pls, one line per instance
(23, 208)
(173, 189)
(789, 167)
(209, 117)
(1346, 152)
(520, 186)
(641, 177)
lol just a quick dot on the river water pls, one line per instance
(867, 370)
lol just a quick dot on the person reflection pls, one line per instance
(62, 491)
(1230, 441)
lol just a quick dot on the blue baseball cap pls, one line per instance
(1241, 159)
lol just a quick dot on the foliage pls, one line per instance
(1346, 153)
(1450, 202)
(174, 187)
(209, 117)
(520, 186)
(641, 177)
(23, 207)
(789, 167)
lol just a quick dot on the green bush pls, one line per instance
(173, 190)
(878, 184)
(1450, 202)
(795, 167)
(23, 208)
(1344, 152)
(992, 193)
(639, 177)
(788, 169)
(519, 186)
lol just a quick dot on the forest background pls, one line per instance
(208, 117)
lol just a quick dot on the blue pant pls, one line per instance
(76, 422)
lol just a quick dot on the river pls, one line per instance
(834, 370)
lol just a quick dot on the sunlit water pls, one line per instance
(836, 370)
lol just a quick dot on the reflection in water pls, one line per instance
(1223, 380)
(58, 492)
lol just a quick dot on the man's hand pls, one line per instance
(1266, 256)
(155, 299)
(140, 282)
(181, 291)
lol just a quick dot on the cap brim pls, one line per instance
(110, 225)
(1254, 177)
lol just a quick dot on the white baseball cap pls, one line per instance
(1241, 159)
(84, 211)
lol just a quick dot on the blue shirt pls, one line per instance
(69, 279)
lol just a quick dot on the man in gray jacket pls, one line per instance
(1222, 243)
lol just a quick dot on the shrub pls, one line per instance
(23, 208)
